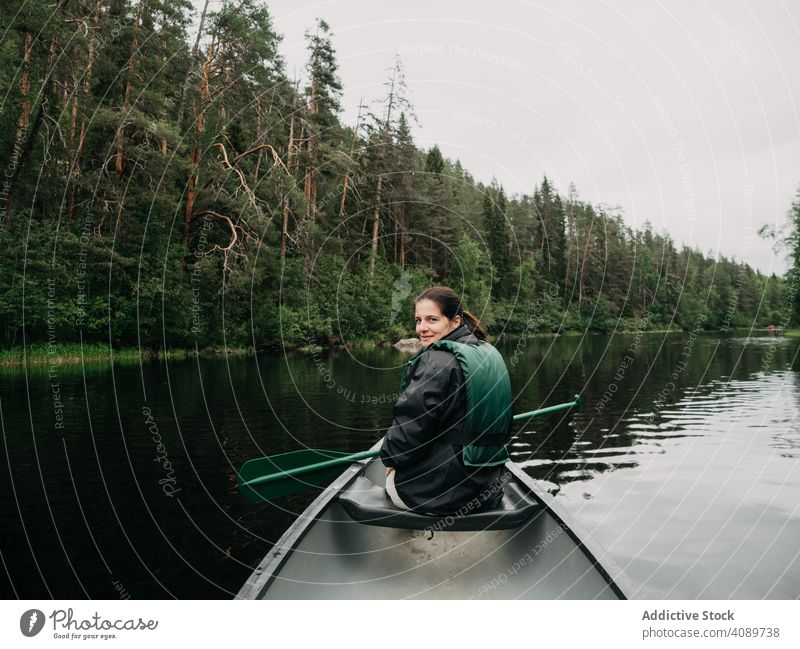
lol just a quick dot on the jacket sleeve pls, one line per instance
(418, 411)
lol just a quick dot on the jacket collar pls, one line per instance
(461, 335)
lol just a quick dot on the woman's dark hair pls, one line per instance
(450, 304)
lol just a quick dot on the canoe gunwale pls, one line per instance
(266, 572)
(590, 548)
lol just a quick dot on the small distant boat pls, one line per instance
(351, 543)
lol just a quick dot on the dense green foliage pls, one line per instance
(165, 195)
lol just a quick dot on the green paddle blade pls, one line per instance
(267, 478)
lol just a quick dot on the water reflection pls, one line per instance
(686, 471)
(683, 462)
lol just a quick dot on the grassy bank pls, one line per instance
(42, 354)
(73, 354)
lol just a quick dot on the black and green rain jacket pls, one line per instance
(447, 441)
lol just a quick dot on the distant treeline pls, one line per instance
(168, 188)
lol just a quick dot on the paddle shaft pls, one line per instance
(347, 459)
(549, 410)
(355, 457)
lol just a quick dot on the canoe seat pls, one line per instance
(367, 503)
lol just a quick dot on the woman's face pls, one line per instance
(432, 324)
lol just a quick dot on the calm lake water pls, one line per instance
(683, 463)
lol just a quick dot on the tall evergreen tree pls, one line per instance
(403, 193)
(382, 135)
(322, 130)
(497, 237)
(434, 162)
(551, 231)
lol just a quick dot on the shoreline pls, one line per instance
(40, 354)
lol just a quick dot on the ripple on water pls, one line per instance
(609, 449)
(716, 475)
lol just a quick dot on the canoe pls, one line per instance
(351, 543)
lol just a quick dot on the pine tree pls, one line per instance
(382, 133)
(497, 237)
(323, 105)
(403, 193)
(793, 275)
(434, 162)
(551, 232)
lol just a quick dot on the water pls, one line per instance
(683, 463)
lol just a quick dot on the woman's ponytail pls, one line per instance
(473, 324)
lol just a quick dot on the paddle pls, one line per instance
(577, 403)
(267, 478)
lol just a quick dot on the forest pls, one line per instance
(167, 185)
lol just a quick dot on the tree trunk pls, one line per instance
(286, 205)
(346, 182)
(118, 219)
(583, 262)
(119, 166)
(194, 155)
(75, 162)
(382, 146)
(24, 117)
(191, 195)
(402, 228)
(345, 185)
(311, 169)
(25, 85)
(307, 186)
(396, 233)
(375, 224)
(192, 63)
(259, 138)
(568, 253)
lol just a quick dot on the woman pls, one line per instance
(445, 449)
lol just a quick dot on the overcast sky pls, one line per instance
(684, 114)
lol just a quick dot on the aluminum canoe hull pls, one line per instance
(327, 555)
